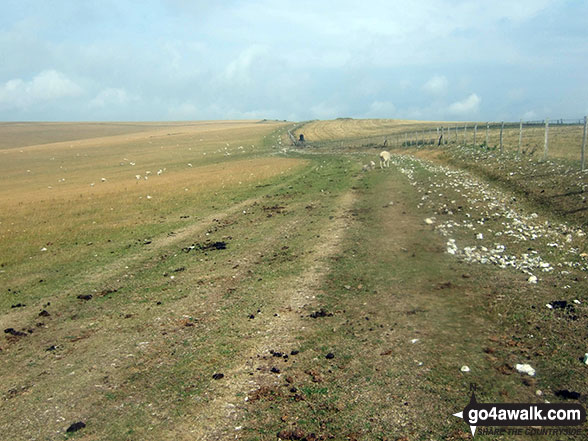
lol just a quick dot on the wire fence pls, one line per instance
(560, 138)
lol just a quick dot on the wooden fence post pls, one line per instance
(584, 143)
(501, 131)
(520, 136)
(487, 130)
(546, 145)
(475, 133)
(465, 128)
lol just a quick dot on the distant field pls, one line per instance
(60, 194)
(345, 128)
(565, 140)
(21, 134)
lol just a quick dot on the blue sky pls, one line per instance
(298, 60)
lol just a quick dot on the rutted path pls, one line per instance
(415, 323)
(225, 416)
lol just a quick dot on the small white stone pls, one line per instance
(429, 221)
(414, 340)
(532, 279)
(465, 369)
(585, 358)
(525, 369)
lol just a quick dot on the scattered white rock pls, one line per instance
(414, 340)
(451, 246)
(465, 369)
(429, 221)
(149, 197)
(532, 279)
(585, 358)
(43, 249)
(103, 179)
(525, 369)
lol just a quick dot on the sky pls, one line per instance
(297, 60)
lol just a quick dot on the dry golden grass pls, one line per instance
(53, 195)
(565, 141)
(356, 128)
(22, 134)
(168, 312)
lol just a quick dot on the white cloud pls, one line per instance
(239, 69)
(110, 97)
(471, 104)
(381, 109)
(48, 85)
(437, 85)
(183, 111)
(324, 111)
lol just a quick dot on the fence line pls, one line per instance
(559, 138)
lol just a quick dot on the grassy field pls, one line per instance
(346, 128)
(565, 140)
(251, 291)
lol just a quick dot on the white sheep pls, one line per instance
(384, 159)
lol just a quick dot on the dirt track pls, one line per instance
(342, 305)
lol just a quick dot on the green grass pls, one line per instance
(136, 361)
